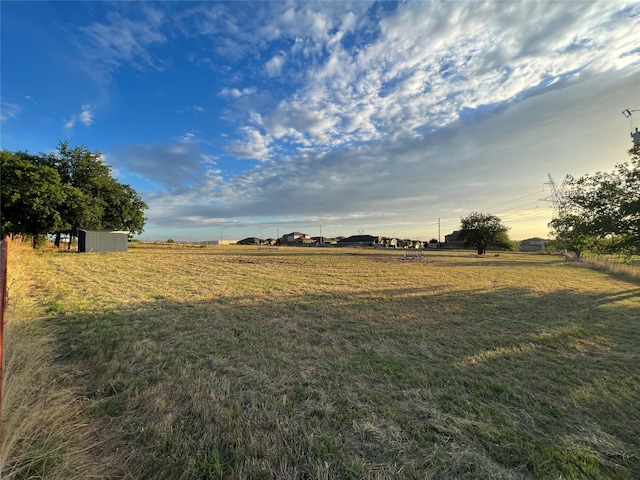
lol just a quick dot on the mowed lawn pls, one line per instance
(305, 363)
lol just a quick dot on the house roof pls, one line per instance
(359, 239)
(250, 239)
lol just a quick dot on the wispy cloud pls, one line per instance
(8, 111)
(123, 40)
(174, 167)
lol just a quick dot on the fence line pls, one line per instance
(611, 265)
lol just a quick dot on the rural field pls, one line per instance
(304, 363)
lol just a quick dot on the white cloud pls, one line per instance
(86, 117)
(253, 145)
(274, 66)
(237, 93)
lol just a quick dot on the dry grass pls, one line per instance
(45, 433)
(235, 362)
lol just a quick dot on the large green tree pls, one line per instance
(124, 208)
(89, 196)
(97, 200)
(31, 196)
(483, 230)
(572, 233)
(601, 212)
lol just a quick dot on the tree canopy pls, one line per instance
(78, 191)
(601, 212)
(31, 197)
(483, 230)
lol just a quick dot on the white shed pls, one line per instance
(102, 240)
(535, 244)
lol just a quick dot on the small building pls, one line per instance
(534, 244)
(102, 240)
(453, 240)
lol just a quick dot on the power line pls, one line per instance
(514, 208)
(453, 224)
(516, 199)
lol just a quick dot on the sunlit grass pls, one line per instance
(239, 362)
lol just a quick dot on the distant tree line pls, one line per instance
(60, 192)
(601, 213)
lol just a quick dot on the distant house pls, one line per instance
(534, 244)
(294, 238)
(360, 241)
(324, 241)
(453, 240)
(102, 240)
(297, 238)
(250, 241)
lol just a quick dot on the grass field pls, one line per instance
(293, 363)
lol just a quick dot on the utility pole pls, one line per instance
(438, 232)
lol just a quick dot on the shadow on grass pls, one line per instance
(402, 383)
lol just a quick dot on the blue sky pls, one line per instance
(237, 119)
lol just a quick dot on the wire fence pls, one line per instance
(612, 264)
